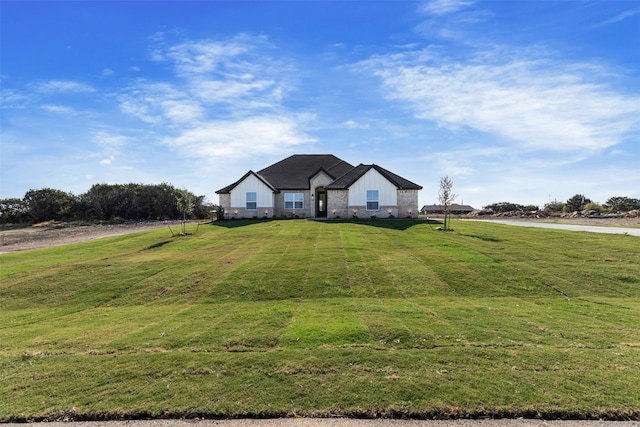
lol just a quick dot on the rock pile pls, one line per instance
(546, 214)
(510, 214)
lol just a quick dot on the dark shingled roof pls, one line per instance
(294, 172)
(452, 207)
(346, 180)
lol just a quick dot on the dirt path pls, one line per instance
(27, 238)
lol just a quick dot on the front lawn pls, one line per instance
(296, 317)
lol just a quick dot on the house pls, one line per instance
(454, 209)
(320, 185)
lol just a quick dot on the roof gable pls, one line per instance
(348, 179)
(227, 189)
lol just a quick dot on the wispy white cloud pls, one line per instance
(352, 124)
(248, 88)
(64, 86)
(11, 98)
(225, 99)
(532, 103)
(241, 138)
(619, 17)
(59, 109)
(207, 57)
(181, 111)
(158, 103)
(109, 146)
(443, 7)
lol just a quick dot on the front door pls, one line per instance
(321, 204)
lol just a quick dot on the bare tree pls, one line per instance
(445, 197)
(185, 202)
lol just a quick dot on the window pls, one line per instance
(293, 200)
(252, 200)
(372, 200)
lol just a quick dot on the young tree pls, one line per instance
(445, 197)
(186, 203)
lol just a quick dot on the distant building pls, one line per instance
(455, 209)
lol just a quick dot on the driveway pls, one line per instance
(570, 227)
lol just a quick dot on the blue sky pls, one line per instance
(519, 101)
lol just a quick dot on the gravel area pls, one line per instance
(14, 239)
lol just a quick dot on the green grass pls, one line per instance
(272, 318)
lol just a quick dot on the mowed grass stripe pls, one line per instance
(324, 318)
(507, 381)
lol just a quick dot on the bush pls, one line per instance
(218, 211)
(593, 207)
(510, 207)
(554, 207)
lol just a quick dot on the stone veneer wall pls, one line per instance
(337, 207)
(280, 211)
(408, 204)
(337, 204)
(224, 200)
(240, 213)
(383, 212)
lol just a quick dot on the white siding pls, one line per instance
(251, 183)
(372, 180)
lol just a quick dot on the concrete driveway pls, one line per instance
(570, 227)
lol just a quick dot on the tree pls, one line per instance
(577, 202)
(13, 210)
(100, 201)
(185, 203)
(47, 204)
(622, 204)
(445, 197)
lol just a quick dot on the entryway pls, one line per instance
(321, 202)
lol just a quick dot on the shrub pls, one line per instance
(554, 206)
(593, 207)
